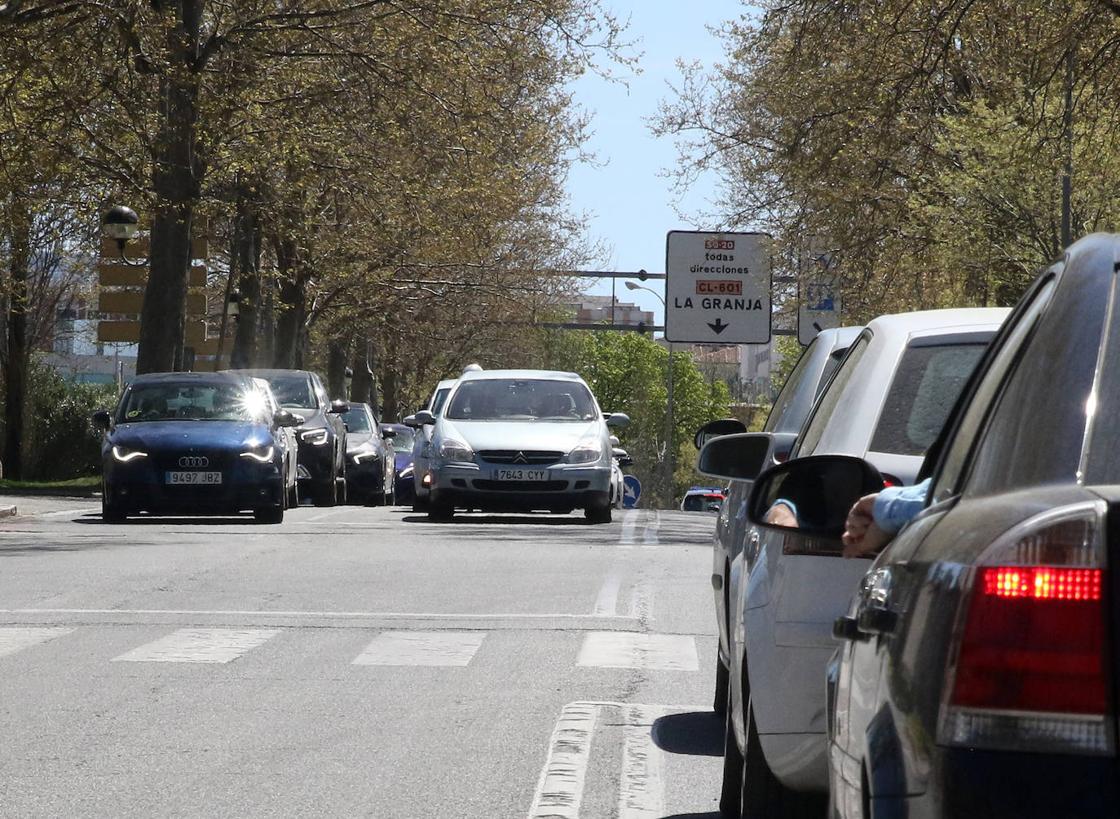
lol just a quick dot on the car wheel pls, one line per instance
(325, 493)
(419, 504)
(342, 489)
(269, 514)
(293, 495)
(110, 512)
(762, 794)
(723, 686)
(731, 792)
(598, 514)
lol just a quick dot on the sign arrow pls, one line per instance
(719, 326)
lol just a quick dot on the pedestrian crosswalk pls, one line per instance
(451, 648)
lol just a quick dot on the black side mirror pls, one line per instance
(338, 407)
(102, 420)
(714, 429)
(812, 495)
(424, 418)
(283, 418)
(735, 457)
(410, 421)
(388, 434)
(625, 462)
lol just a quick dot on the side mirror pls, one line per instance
(102, 420)
(714, 429)
(618, 420)
(410, 421)
(338, 407)
(424, 418)
(735, 457)
(625, 461)
(812, 495)
(283, 418)
(614, 440)
(388, 434)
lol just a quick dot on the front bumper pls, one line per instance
(474, 486)
(367, 477)
(142, 487)
(316, 463)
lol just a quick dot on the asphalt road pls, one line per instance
(357, 662)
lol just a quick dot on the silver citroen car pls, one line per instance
(521, 440)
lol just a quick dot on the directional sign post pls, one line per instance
(717, 287)
(818, 303)
(632, 491)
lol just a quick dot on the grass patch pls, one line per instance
(80, 486)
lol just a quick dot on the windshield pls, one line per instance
(508, 399)
(438, 400)
(192, 402)
(404, 439)
(357, 420)
(293, 391)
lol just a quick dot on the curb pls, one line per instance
(8, 511)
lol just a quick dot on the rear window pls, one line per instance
(922, 394)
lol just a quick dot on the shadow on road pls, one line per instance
(528, 520)
(711, 815)
(695, 733)
(228, 520)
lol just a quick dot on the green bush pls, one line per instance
(62, 442)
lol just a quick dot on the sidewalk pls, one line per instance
(25, 505)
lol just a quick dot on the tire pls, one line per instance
(325, 493)
(598, 514)
(440, 510)
(723, 687)
(293, 496)
(419, 504)
(762, 795)
(269, 514)
(342, 490)
(110, 512)
(731, 791)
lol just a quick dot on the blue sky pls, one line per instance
(630, 204)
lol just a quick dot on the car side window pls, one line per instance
(818, 419)
(947, 481)
(789, 394)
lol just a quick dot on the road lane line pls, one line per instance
(641, 793)
(606, 604)
(629, 523)
(199, 645)
(655, 652)
(653, 526)
(344, 615)
(17, 639)
(430, 648)
(560, 788)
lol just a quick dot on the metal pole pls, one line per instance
(669, 453)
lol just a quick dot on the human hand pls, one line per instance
(861, 535)
(781, 515)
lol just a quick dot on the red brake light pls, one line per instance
(890, 480)
(1031, 671)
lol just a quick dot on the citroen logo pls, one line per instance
(520, 458)
(194, 461)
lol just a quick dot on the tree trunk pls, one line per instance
(293, 308)
(336, 368)
(390, 402)
(246, 257)
(176, 181)
(362, 387)
(15, 363)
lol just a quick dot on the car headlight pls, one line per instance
(452, 450)
(260, 455)
(363, 455)
(587, 451)
(407, 471)
(315, 437)
(124, 455)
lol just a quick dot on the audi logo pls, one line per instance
(194, 461)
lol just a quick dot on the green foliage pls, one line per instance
(628, 373)
(63, 443)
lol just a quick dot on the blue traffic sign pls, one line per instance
(631, 492)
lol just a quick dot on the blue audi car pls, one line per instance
(197, 443)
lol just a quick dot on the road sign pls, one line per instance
(818, 306)
(717, 287)
(631, 491)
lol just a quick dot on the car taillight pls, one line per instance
(1029, 667)
(890, 480)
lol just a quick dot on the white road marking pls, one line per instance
(63, 512)
(606, 604)
(200, 645)
(629, 523)
(641, 793)
(653, 525)
(560, 788)
(16, 639)
(656, 652)
(320, 516)
(366, 615)
(432, 648)
(640, 608)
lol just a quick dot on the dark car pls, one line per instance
(403, 442)
(322, 436)
(370, 471)
(978, 662)
(190, 443)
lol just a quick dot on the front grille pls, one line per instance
(520, 456)
(218, 461)
(521, 486)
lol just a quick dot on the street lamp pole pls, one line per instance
(670, 455)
